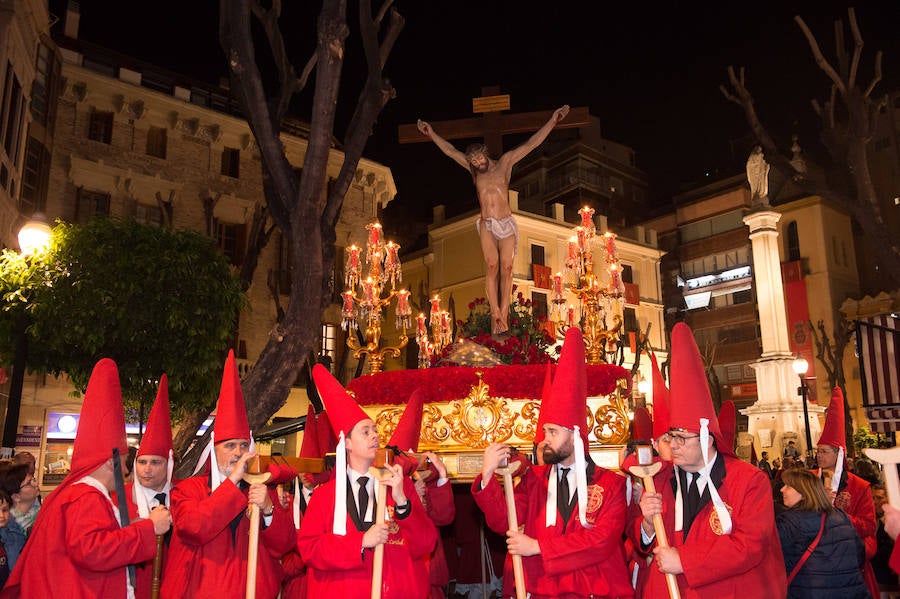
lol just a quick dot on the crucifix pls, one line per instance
(491, 170)
(494, 122)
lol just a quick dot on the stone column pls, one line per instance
(778, 408)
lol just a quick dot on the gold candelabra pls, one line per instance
(601, 306)
(384, 272)
(441, 332)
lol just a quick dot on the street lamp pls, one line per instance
(34, 237)
(800, 366)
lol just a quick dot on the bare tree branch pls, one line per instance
(286, 74)
(846, 133)
(857, 47)
(820, 60)
(237, 44)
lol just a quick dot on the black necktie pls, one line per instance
(692, 502)
(161, 498)
(363, 496)
(563, 498)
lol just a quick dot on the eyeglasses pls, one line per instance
(678, 440)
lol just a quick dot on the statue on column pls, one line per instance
(758, 176)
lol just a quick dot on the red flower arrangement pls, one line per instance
(528, 341)
(455, 382)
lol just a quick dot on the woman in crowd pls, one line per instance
(823, 555)
(22, 487)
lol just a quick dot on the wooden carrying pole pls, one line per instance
(157, 568)
(645, 472)
(380, 472)
(512, 521)
(253, 549)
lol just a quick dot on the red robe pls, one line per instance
(746, 563)
(440, 508)
(144, 570)
(337, 566)
(77, 549)
(207, 560)
(574, 561)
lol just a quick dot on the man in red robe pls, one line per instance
(208, 552)
(339, 533)
(572, 541)
(431, 483)
(717, 510)
(152, 482)
(77, 548)
(848, 491)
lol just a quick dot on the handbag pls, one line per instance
(808, 552)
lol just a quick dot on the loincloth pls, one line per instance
(500, 228)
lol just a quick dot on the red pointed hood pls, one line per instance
(101, 426)
(643, 426)
(157, 439)
(231, 413)
(545, 393)
(327, 440)
(309, 448)
(689, 396)
(409, 429)
(833, 433)
(660, 401)
(567, 404)
(343, 411)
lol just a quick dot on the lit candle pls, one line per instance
(353, 257)
(610, 244)
(587, 217)
(614, 276)
(391, 260)
(571, 316)
(369, 291)
(374, 233)
(348, 303)
(572, 249)
(582, 243)
(557, 285)
(420, 326)
(403, 303)
(436, 304)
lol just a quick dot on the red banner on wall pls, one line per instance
(541, 275)
(632, 294)
(797, 305)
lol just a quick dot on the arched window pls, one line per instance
(792, 242)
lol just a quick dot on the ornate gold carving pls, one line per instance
(479, 419)
(529, 413)
(386, 421)
(460, 429)
(611, 421)
(432, 431)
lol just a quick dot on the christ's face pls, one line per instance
(479, 162)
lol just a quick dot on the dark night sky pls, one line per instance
(649, 71)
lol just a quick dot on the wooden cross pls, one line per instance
(493, 124)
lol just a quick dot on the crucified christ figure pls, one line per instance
(496, 228)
